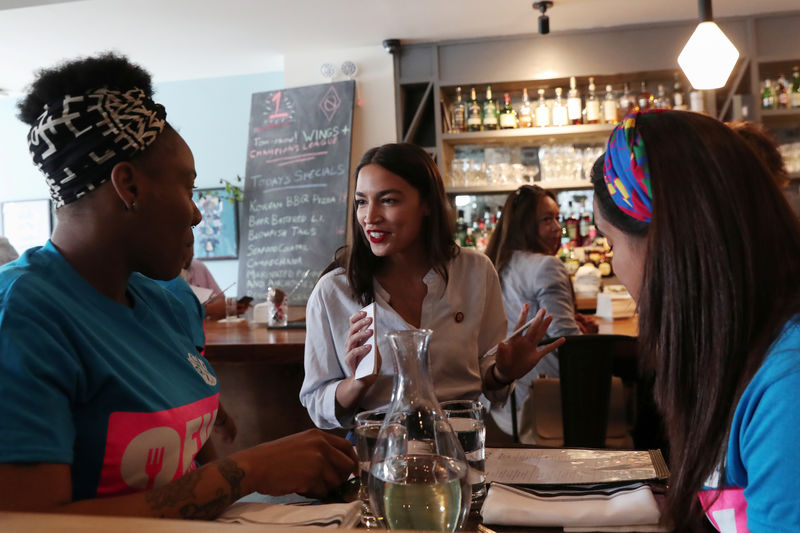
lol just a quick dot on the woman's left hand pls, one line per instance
(519, 355)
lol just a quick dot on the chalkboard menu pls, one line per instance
(294, 212)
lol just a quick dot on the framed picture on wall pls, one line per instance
(217, 236)
(26, 223)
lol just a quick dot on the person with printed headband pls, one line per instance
(691, 214)
(105, 398)
(403, 258)
(522, 249)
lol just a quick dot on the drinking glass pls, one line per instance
(230, 308)
(467, 418)
(368, 425)
(277, 308)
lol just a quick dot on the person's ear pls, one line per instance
(124, 180)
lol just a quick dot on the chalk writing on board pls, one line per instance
(295, 198)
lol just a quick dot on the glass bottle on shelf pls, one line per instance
(627, 103)
(574, 106)
(678, 98)
(794, 97)
(781, 94)
(610, 107)
(592, 105)
(525, 116)
(459, 113)
(474, 113)
(645, 100)
(418, 474)
(508, 117)
(559, 110)
(662, 101)
(697, 101)
(489, 111)
(542, 111)
(767, 95)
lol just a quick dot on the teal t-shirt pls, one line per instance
(762, 487)
(119, 393)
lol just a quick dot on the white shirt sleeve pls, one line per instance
(323, 370)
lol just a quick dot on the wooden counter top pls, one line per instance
(242, 342)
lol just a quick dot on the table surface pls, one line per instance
(242, 341)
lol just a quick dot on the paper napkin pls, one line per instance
(628, 505)
(346, 515)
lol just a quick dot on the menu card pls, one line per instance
(571, 466)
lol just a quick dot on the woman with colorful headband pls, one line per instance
(709, 248)
(105, 398)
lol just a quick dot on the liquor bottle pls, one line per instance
(794, 98)
(542, 111)
(489, 111)
(645, 100)
(678, 98)
(474, 118)
(559, 110)
(610, 107)
(767, 95)
(525, 117)
(508, 117)
(627, 103)
(662, 101)
(574, 106)
(697, 101)
(782, 95)
(459, 113)
(592, 105)
(461, 229)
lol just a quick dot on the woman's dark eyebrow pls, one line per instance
(382, 193)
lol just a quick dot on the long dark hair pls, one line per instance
(518, 228)
(719, 282)
(414, 165)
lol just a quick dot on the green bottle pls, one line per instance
(768, 95)
(490, 114)
(474, 113)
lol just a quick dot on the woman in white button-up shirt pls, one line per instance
(403, 257)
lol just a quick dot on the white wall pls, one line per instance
(374, 115)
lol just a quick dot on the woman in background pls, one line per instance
(403, 258)
(708, 247)
(522, 249)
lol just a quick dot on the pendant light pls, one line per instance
(709, 56)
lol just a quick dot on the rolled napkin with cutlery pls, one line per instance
(346, 515)
(603, 507)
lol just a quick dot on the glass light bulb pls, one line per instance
(708, 57)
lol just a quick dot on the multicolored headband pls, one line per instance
(78, 140)
(626, 170)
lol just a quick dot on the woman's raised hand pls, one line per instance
(350, 391)
(517, 356)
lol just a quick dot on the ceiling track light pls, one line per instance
(709, 56)
(544, 20)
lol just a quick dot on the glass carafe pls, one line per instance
(418, 475)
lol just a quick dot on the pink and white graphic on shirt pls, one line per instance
(728, 513)
(146, 450)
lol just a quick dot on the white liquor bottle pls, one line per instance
(592, 105)
(610, 107)
(542, 111)
(559, 110)
(525, 113)
(574, 105)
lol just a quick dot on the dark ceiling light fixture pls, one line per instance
(709, 56)
(544, 20)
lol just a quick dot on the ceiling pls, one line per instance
(186, 39)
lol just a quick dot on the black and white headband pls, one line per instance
(78, 140)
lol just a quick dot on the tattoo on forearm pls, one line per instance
(181, 493)
(231, 472)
